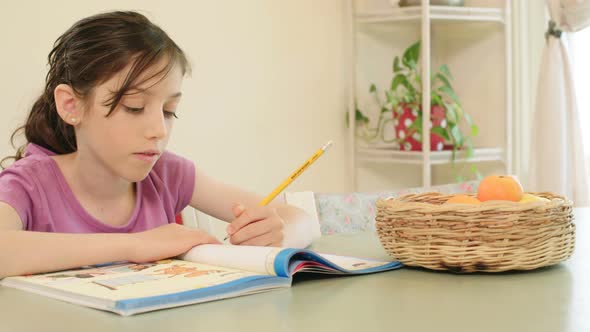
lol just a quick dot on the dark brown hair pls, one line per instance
(92, 51)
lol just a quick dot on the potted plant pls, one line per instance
(403, 100)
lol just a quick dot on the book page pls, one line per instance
(249, 258)
(349, 263)
(129, 280)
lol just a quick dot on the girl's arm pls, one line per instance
(25, 252)
(229, 203)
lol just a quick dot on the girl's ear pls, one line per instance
(67, 104)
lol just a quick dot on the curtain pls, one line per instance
(575, 14)
(557, 156)
(579, 46)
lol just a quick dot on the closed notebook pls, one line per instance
(205, 273)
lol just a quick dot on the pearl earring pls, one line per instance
(74, 120)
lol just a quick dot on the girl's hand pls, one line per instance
(167, 241)
(256, 226)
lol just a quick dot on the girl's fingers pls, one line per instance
(256, 229)
(264, 240)
(249, 216)
(238, 209)
(250, 231)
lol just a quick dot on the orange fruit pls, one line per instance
(463, 199)
(499, 187)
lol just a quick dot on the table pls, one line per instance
(550, 299)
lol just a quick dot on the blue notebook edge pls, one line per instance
(238, 287)
(284, 257)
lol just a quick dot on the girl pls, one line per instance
(94, 184)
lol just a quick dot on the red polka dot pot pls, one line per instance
(410, 139)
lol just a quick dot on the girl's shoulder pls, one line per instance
(36, 163)
(173, 177)
(171, 167)
(27, 181)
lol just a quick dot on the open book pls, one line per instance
(205, 273)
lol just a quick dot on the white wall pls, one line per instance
(267, 89)
(268, 84)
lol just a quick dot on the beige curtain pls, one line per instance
(557, 155)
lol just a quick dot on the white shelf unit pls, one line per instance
(417, 157)
(435, 12)
(425, 15)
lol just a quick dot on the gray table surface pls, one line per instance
(550, 299)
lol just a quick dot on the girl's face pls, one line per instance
(131, 139)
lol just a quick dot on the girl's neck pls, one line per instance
(104, 195)
(88, 179)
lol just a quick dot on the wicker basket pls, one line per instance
(495, 236)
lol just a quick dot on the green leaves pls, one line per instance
(451, 115)
(416, 126)
(443, 80)
(456, 136)
(405, 90)
(358, 117)
(444, 69)
(396, 66)
(469, 151)
(403, 80)
(469, 121)
(436, 99)
(474, 130)
(447, 90)
(411, 55)
(397, 80)
(388, 97)
(440, 131)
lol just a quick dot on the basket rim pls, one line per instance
(405, 202)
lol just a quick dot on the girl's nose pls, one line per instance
(156, 126)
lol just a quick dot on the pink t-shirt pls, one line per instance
(35, 187)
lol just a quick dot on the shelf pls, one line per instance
(379, 27)
(416, 157)
(437, 13)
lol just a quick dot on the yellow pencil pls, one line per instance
(293, 176)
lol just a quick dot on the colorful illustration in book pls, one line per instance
(133, 267)
(94, 271)
(170, 271)
(140, 267)
(116, 283)
(82, 273)
(187, 271)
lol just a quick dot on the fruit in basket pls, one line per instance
(527, 198)
(499, 187)
(463, 199)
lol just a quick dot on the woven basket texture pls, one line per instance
(495, 236)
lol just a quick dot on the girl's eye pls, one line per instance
(137, 110)
(170, 114)
(134, 109)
